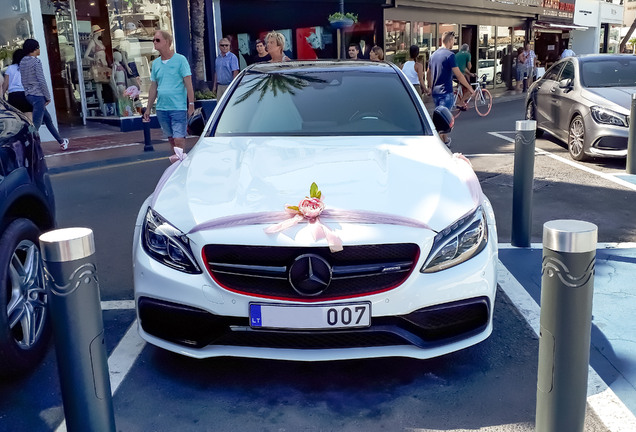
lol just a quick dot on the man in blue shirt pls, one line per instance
(439, 76)
(226, 68)
(171, 81)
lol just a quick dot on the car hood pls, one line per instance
(412, 177)
(621, 97)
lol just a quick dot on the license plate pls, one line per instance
(314, 317)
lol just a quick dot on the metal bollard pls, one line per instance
(567, 284)
(523, 179)
(630, 166)
(78, 329)
(147, 141)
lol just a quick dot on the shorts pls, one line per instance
(447, 100)
(18, 100)
(173, 122)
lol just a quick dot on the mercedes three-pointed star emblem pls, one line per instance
(310, 275)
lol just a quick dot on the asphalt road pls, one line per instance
(488, 387)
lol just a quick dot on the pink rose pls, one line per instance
(311, 207)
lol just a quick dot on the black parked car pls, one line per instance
(27, 208)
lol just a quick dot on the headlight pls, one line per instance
(167, 244)
(605, 116)
(457, 243)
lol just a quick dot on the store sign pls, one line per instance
(586, 13)
(562, 10)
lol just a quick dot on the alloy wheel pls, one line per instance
(26, 308)
(576, 139)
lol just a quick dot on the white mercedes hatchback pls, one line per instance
(319, 217)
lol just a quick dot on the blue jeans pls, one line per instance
(446, 99)
(41, 114)
(173, 122)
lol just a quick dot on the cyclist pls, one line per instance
(441, 68)
(464, 64)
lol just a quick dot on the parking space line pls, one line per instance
(602, 399)
(118, 305)
(610, 177)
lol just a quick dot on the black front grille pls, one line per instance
(357, 270)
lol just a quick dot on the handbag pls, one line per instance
(101, 74)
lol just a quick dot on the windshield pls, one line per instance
(310, 103)
(609, 72)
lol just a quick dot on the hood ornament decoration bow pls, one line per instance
(309, 209)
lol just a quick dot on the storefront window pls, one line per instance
(396, 36)
(15, 28)
(132, 27)
(448, 27)
(424, 37)
(487, 54)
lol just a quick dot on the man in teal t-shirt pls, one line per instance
(171, 82)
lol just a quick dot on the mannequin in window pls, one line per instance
(124, 46)
(67, 53)
(96, 50)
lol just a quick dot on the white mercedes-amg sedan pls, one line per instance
(318, 217)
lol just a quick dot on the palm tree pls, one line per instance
(197, 35)
(275, 83)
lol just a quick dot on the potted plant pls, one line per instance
(339, 20)
(206, 100)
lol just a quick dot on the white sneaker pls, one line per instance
(64, 144)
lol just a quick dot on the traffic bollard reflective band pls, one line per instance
(78, 328)
(567, 285)
(630, 166)
(523, 178)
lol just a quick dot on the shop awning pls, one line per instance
(557, 26)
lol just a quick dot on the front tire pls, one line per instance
(24, 318)
(576, 139)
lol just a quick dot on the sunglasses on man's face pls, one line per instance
(224, 44)
(157, 40)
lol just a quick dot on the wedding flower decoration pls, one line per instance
(309, 209)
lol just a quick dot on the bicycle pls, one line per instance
(481, 98)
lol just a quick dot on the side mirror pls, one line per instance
(443, 120)
(196, 123)
(566, 84)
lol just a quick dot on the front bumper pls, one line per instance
(605, 140)
(427, 316)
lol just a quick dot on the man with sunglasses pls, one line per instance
(226, 68)
(171, 84)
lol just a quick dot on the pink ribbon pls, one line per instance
(318, 230)
(176, 159)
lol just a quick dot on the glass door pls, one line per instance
(66, 72)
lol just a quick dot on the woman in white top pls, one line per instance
(13, 85)
(414, 71)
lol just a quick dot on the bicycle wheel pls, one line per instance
(455, 111)
(483, 103)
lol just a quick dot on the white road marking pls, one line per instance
(602, 399)
(610, 177)
(118, 304)
(92, 149)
